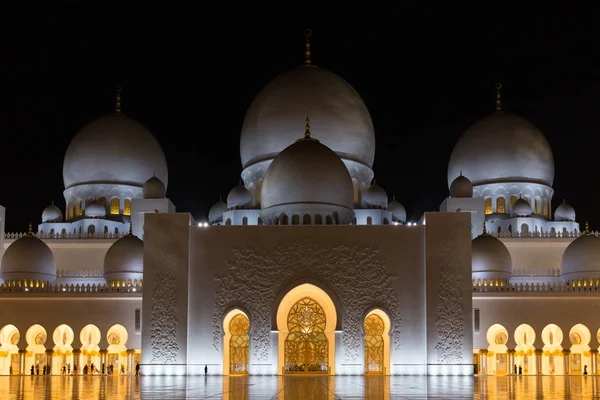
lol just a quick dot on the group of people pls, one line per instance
(87, 369)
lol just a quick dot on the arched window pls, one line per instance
(513, 199)
(374, 344)
(127, 207)
(106, 230)
(546, 213)
(284, 219)
(488, 206)
(328, 220)
(238, 344)
(524, 229)
(63, 233)
(115, 206)
(245, 221)
(500, 205)
(306, 219)
(369, 221)
(295, 219)
(306, 345)
(260, 221)
(499, 229)
(386, 221)
(228, 222)
(318, 220)
(91, 229)
(79, 210)
(537, 208)
(71, 210)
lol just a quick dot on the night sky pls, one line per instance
(424, 76)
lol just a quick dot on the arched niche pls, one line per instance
(9, 350)
(525, 350)
(90, 337)
(580, 338)
(385, 328)
(289, 304)
(62, 337)
(552, 357)
(497, 359)
(36, 337)
(117, 351)
(237, 361)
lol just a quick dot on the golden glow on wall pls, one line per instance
(513, 200)
(488, 206)
(115, 206)
(238, 344)
(127, 207)
(374, 346)
(501, 205)
(306, 347)
(78, 209)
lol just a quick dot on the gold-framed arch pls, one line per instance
(377, 326)
(236, 343)
(306, 320)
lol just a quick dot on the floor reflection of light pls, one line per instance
(297, 387)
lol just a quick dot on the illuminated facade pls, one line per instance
(307, 267)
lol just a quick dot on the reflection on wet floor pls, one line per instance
(298, 387)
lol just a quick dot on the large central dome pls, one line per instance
(114, 149)
(502, 147)
(336, 111)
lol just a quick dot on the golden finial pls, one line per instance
(484, 229)
(118, 100)
(130, 227)
(498, 97)
(307, 59)
(307, 128)
(30, 232)
(587, 229)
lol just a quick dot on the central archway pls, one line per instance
(306, 319)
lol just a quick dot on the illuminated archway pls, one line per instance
(525, 350)
(35, 357)
(10, 362)
(90, 350)
(117, 352)
(306, 319)
(497, 360)
(62, 356)
(236, 342)
(552, 358)
(377, 342)
(580, 337)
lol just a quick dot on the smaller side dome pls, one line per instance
(215, 214)
(95, 209)
(239, 197)
(398, 211)
(564, 212)
(461, 187)
(490, 258)
(154, 188)
(28, 258)
(375, 197)
(521, 208)
(52, 214)
(124, 260)
(581, 259)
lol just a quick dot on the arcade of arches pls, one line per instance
(57, 356)
(306, 320)
(559, 355)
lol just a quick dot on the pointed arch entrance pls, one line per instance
(236, 343)
(306, 319)
(376, 326)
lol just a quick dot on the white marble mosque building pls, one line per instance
(308, 267)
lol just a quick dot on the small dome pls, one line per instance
(461, 187)
(28, 258)
(216, 212)
(564, 212)
(95, 209)
(398, 211)
(239, 197)
(154, 188)
(375, 197)
(581, 259)
(52, 214)
(490, 258)
(308, 178)
(125, 259)
(521, 208)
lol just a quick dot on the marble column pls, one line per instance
(103, 353)
(481, 362)
(539, 353)
(22, 354)
(76, 361)
(594, 358)
(49, 354)
(130, 366)
(567, 361)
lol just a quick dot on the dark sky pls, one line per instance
(424, 74)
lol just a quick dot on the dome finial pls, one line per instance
(130, 228)
(307, 59)
(30, 232)
(587, 229)
(307, 128)
(484, 229)
(118, 100)
(498, 97)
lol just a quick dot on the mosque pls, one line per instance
(308, 267)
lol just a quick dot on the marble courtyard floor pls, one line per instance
(298, 387)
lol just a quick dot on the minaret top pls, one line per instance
(307, 58)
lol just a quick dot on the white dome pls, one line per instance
(375, 197)
(564, 212)
(308, 178)
(215, 214)
(28, 258)
(490, 258)
(95, 210)
(125, 259)
(581, 259)
(154, 188)
(239, 197)
(521, 208)
(502, 147)
(113, 149)
(461, 187)
(52, 214)
(336, 111)
(398, 211)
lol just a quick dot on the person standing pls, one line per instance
(205, 370)
(137, 369)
